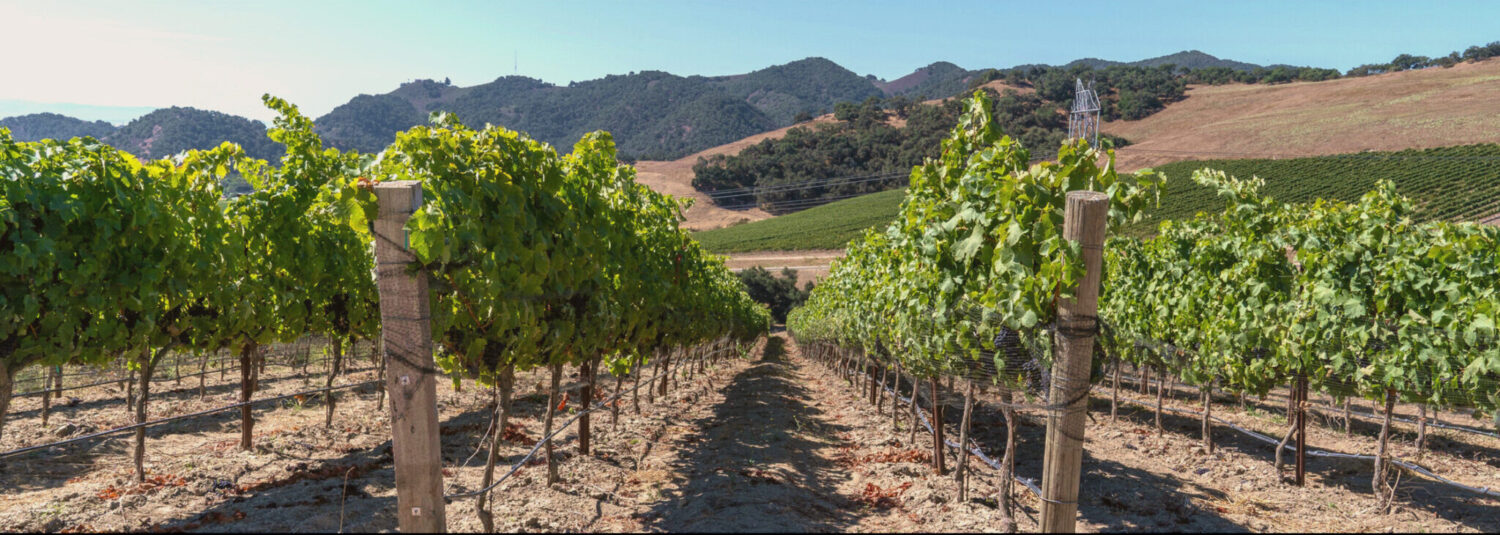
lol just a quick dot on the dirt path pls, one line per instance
(789, 447)
(762, 459)
(773, 441)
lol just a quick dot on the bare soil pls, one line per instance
(1137, 479)
(771, 442)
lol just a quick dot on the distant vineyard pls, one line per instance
(830, 226)
(1448, 183)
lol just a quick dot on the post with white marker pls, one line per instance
(411, 375)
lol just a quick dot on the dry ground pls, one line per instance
(1136, 479)
(771, 442)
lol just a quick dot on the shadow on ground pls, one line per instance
(760, 461)
(1446, 502)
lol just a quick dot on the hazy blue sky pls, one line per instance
(98, 56)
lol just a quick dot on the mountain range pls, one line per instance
(652, 114)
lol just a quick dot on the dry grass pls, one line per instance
(675, 178)
(1413, 109)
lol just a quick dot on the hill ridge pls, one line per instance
(653, 114)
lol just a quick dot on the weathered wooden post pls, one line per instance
(1301, 401)
(406, 330)
(1077, 320)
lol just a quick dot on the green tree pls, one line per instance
(778, 293)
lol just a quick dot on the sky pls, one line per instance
(115, 60)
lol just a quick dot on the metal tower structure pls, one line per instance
(1083, 119)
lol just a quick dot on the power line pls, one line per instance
(803, 185)
(799, 203)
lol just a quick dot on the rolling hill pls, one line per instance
(156, 134)
(652, 114)
(1191, 59)
(1433, 107)
(168, 131)
(1456, 183)
(938, 80)
(1329, 139)
(38, 126)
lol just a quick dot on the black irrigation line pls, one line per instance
(216, 361)
(113, 381)
(1370, 415)
(106, 372)
(1410, 466)
(198, 414)
(1149, 344)
(1440, 425)
(564, 426)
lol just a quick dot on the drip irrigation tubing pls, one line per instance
(1430, 423)
(198, 414)
(1413, 467)
(564, 426)
(1026, 482)
(1335, 410)
(215, 361)
(1410, 466)
(156, 380)
(103, 372)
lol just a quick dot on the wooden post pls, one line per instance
(1301, 402)
(937, 429)
(587, 371)
(406, 330)
(247, 390)
(1084, 221)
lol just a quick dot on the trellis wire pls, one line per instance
(1413, 467)
(1321, 406)
(153, 423)
(564, 426)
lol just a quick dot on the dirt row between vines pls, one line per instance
(772, 442)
